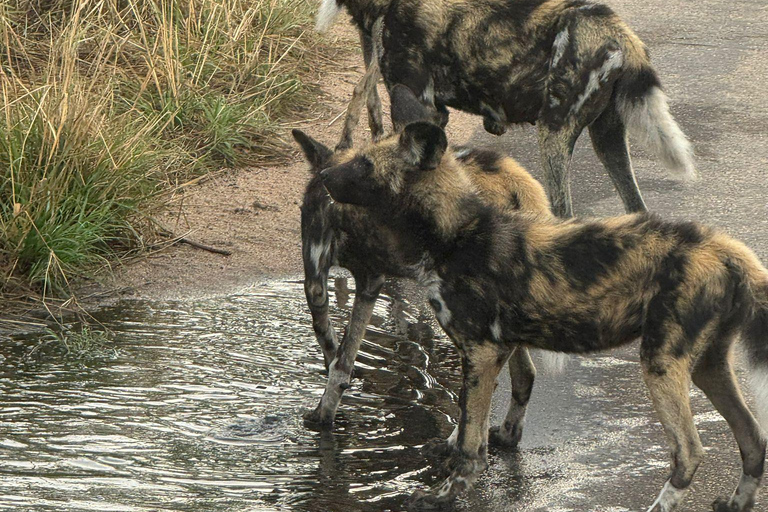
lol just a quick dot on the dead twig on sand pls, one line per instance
(183, 239)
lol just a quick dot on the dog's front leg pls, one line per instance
(340, 369)
(481, 364)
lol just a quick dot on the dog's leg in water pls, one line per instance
(481, 364)
(317, 262)
(340, 370)
(521, 374)
(714, 376)
(609, 138)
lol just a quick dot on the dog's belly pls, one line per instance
(502, 100)
(577, 333)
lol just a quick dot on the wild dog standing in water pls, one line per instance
(346, 235)
(499, 281)
(564, 65)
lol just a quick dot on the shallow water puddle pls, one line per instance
(201, 410)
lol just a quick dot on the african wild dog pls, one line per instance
(502, 280)
(346, 235)
(564, 65)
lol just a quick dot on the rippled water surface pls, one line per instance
(200, 409)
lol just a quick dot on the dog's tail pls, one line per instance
(645, 112)
(329, 11)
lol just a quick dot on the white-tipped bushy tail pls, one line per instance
(649, 121)
(553, 362)
(327, 14)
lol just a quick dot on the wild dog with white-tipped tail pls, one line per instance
(502, 280)
(564, 65)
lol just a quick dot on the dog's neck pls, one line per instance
(446, 198)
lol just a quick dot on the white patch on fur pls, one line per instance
(745, 492)
(597, 76)
(317, 251)
(329, 11)
(758, 378)
(428, 94)
(650, 122)
(496, 329)
(443, 314)
(454, 437)
(461, 153)
(553, 362)
(669, 498)
(432, 282)
(561, 41)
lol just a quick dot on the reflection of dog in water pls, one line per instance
(499, 280)
(334, 233)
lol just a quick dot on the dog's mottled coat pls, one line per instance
(565, 65)
(504, 280)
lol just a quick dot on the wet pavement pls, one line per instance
(605, 449)
(200, 408)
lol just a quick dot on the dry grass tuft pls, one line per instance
(108, 103)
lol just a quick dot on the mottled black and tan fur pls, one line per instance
(502, 281)
(565, 65)
(347, 236)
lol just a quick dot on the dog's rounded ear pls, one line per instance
(317, 154)
(406, 108)
(423, 145)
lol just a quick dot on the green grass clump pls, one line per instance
(106, 104)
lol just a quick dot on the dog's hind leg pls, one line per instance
(556, 151)
(365, 89)
(714, 376)
(481, 364)
(521, 374)
(373, 101)
(576, 65)
(367, 288)
(609, 138)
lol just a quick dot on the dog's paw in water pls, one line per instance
(317, 420)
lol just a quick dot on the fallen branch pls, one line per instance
(198, 245)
